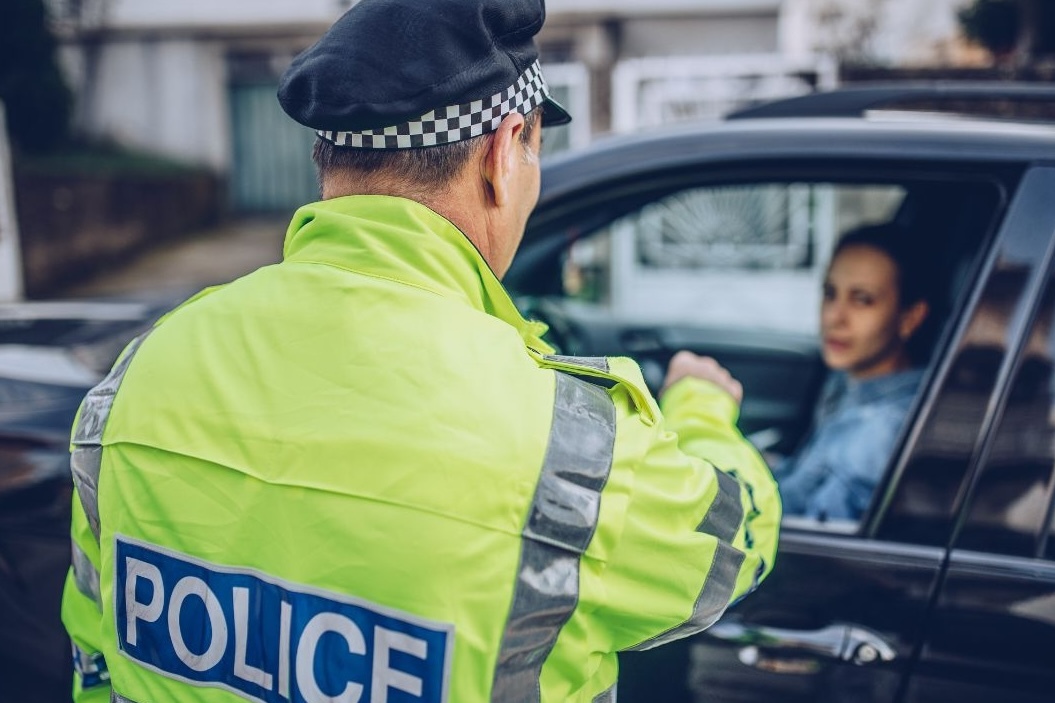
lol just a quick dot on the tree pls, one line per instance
(37, 100)
(848, 30)
(1014, 31)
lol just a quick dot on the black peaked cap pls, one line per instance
(387, 62)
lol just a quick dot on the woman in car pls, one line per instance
(873, 308)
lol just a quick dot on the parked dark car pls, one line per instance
(50, 355)
(714, 237)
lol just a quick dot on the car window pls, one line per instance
(1011, 498)
(749, 256)
(734, 270)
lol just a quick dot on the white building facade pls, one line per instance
(195, 79)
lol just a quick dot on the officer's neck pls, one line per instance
(465, 202)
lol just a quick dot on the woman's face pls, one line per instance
(863, 328)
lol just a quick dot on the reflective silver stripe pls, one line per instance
(608, 696)
(749, 539)
(576, 467)
(85, 463)
(722, 520)
(116, 697)
(594, 362)
(714, 597)
(86, 459)
(90, 668)
(560, 525)
(86, 576)
(726, 513)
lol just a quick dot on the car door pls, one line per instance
(846, 610)
(991, 634)
(842, 615)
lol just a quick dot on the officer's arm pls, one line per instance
(704, 418)
(82, 616)
(689, 519)
(82, 613)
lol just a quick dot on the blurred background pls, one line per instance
(143, 155)
(134, 126)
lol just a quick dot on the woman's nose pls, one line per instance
(833, 312)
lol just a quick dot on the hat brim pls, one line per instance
(553, 113)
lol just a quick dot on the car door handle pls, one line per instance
(841, 642)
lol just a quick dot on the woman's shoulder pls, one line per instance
(860, 407)
(894, 388)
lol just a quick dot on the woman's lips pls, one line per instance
(836, 345)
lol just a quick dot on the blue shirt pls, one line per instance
(855, 426)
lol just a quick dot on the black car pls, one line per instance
(713, 238)
(50, 355)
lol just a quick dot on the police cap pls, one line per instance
(396, 74)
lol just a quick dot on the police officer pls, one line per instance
(359, 474)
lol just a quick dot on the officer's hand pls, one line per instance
(685, 363)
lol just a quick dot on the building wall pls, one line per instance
(696, 36)
(165, 96)
(636, 8)
(161, 14)
(157, 74)
(133, 13)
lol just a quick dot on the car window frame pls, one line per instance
(651, 186)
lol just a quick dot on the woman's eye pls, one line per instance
(862, 299)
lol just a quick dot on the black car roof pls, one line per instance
(892, 135)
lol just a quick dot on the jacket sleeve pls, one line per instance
(689, 519)
(82, 616)
(82, 608)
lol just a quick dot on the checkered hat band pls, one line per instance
(454, 123)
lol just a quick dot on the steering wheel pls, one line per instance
(563, 333)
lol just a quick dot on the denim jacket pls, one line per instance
(833, 475)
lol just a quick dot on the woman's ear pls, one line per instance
(911, 319)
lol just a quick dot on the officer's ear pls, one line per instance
(502, 159)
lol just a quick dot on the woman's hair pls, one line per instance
(916, 280)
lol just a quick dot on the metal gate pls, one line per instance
(272, 169)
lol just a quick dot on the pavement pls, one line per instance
(194, 261)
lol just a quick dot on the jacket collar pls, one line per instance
(404, 241)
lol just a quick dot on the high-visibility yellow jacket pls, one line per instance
(360, 473)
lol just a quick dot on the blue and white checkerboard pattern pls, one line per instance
(454, 123)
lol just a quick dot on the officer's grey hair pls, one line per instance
(422, 169)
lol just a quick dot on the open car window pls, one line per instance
(734, 269)
(749, 256)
